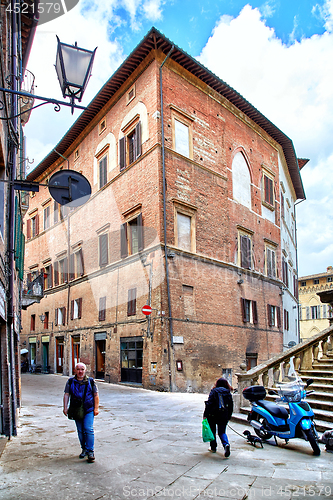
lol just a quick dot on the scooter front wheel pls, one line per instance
(262, 433)
(313, 441)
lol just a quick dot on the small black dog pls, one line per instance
(252, 439)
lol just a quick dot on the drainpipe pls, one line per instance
(164, 223)
(298, 321)
(13, 125)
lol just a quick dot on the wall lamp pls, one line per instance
(73, 67)
(42, 318)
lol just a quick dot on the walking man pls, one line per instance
(80, 389)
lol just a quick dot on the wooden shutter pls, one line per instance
(65, 270)
(140, 233)
(103, 250)
(37, 224)
(254, 312)
(245, 252)
(137, 141)
(81, 263)
(56, 317)
(123, 241)
(268, 190)
(71, 267)
(103, 172)
(55, 212)
(243, 309)
(79, 307)
(269, 315)
(122, 153)
(56, 273)
(28, 229)
(72, 309)
(131, 303)
(63, 310)
(282, 205)
(102, 309)
(278, 317)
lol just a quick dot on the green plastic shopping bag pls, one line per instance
(207, 434)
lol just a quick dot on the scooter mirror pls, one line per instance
(309, 382)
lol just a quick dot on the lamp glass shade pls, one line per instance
(73, 67)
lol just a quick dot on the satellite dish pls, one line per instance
(291, 343)
(69, 188)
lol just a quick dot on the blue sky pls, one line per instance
(277, 53)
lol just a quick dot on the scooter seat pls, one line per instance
(274, 409)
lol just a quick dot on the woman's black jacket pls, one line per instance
(219, 404)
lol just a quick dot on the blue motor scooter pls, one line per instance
(286, 422)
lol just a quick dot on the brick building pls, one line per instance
(314, 315)
(16, 37)
(185, 215)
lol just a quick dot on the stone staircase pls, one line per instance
(321, 400)
(310, 359)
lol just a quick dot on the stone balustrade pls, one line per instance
(298, 358)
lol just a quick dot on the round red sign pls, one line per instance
(147, 310)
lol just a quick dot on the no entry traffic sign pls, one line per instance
(147, 310)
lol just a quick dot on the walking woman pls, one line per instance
(218, 411)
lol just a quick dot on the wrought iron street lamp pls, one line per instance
(73, 67)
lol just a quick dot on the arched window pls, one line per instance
(241, 180)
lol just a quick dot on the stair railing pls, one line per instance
(298, 358)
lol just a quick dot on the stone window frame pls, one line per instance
(184, 118)
(190, 211)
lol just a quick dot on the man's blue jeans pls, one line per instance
(85, 430)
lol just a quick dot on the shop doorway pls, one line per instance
(60, 354)
(75, 351)
(131, 353)
(45, 355)
(100, 343)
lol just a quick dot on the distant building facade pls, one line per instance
(185, 216)
(314, 315)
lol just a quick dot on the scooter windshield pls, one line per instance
(291, 391)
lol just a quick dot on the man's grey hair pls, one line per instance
(82, 364)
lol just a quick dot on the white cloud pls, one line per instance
(292, 86)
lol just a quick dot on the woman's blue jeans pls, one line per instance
(221, 428)
(85, 430)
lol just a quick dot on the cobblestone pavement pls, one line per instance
(148, 445)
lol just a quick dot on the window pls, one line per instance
(33, 226)
(330, 279)
(56, 212)
(76, 308)
(249, 311)
(102, 309)
(102, 126)
(76, 265)
(103, 249)
(130, 146)
(185, 237)
(285, 275)
(315, 312)
(61, 271)
(274, 316)
(268, 191)
(33, 323)
(251, 360)
(46, 320)
(182, 133)
(282, 204)
(286, 319)
(270, 262)
(47, 276)
(303, 283)
(131, 236)
(131, 302)
(316, 281)
(131, 94)
(244, 250)
(241, 180)
(102, 172)
(60, 316)
(295, 286)
(47, 217)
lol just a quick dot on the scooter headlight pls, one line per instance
(306, 424)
